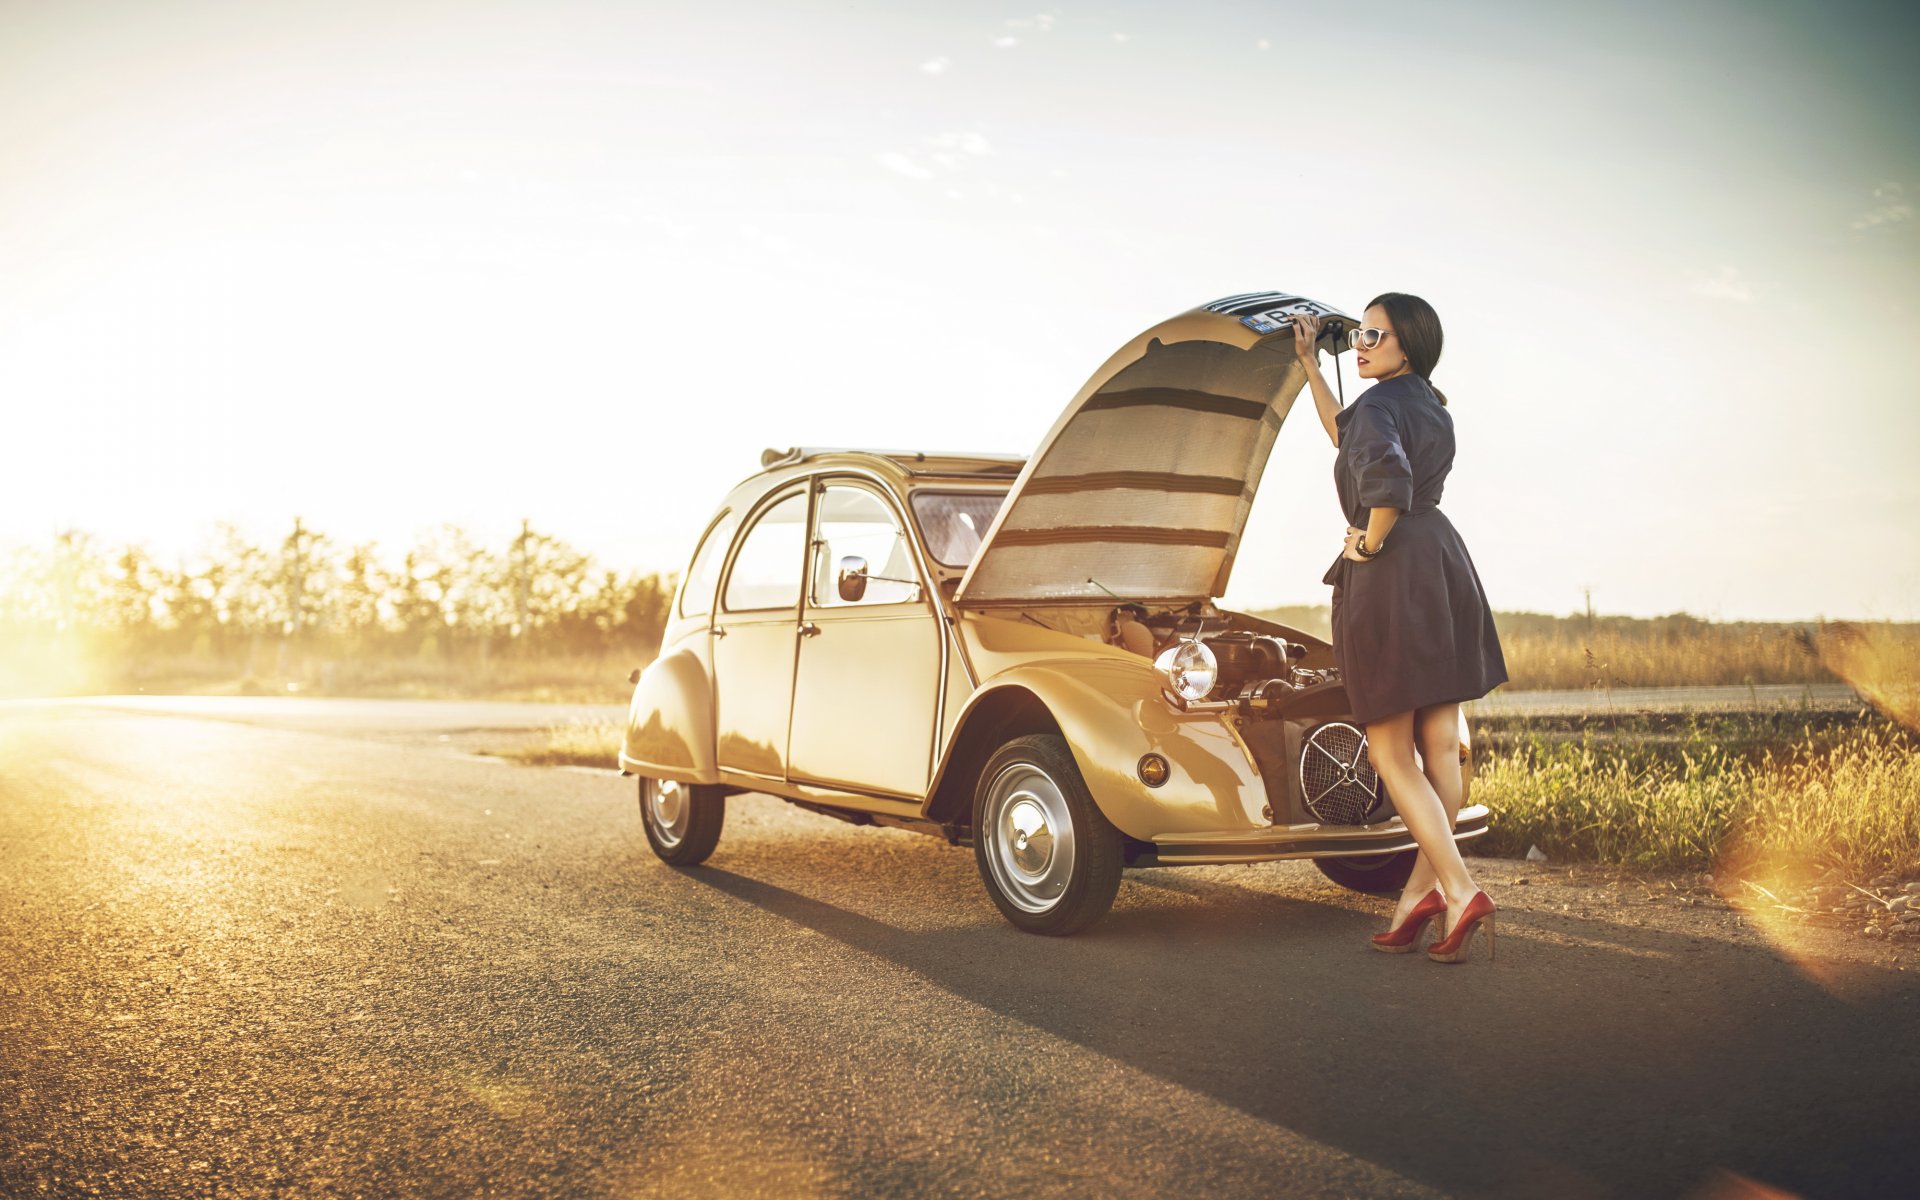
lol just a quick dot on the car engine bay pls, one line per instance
(1257, 668)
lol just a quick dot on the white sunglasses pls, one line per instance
(1366, 339)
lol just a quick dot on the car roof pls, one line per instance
(906, 462)
(901, 469)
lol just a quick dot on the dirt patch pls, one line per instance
(1824, 918)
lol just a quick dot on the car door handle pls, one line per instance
(809, 629)
(718, 631)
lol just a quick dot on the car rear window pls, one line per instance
(954, 522)
(696, 598)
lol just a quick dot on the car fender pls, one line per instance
(1111, 713)
(670, 721)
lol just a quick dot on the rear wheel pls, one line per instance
(1373, 873)
(682, 820)
(1049, 857)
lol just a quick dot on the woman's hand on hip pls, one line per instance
(1353, 538)
(1306, 336)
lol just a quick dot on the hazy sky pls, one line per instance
(388, 265)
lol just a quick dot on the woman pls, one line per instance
(1412, 632)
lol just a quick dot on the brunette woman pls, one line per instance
(1412, 632)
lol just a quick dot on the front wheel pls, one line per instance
(1049, 857)
(682, 819)
(1378, 874)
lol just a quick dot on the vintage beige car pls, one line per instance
(1025, 654)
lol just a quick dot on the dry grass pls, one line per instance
(1567, 653)
(1882, 662)
(577, 743)
(1856, 809)
(1849, 802)
(1566, 658)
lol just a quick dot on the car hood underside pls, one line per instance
(1141, 490)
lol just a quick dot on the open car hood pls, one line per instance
(1141, 489)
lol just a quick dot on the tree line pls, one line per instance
(448, 595)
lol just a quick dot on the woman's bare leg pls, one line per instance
(1391, 747)
(1436, 731)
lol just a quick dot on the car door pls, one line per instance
(867, 687)
(754, 630)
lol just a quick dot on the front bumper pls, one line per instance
(1300, 841)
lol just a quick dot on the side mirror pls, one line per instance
(853, 578)
(633, 676)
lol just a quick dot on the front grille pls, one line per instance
(1337, 782)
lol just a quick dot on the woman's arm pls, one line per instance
(1306, 333)
(1382, 473)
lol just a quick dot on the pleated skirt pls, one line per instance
(1412, 627)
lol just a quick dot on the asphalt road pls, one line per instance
(268, 952)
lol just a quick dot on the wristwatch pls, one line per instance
(1360, 547)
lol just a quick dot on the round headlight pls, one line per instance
(1189, 668)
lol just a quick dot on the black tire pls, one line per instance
(1375, 874)
(682, 820)
(1029, 787)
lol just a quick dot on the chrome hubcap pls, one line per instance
(1032, 840)
(1029, 835)
(665, 806)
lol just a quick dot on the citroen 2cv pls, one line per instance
(1025, 655)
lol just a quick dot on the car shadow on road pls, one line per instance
(1592, 1059)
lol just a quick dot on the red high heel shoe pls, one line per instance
(1453, 947)
(1405, 936)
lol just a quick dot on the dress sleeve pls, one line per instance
(1377, 459)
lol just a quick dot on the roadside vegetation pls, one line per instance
(537, 619)
(1748, 793)
(1678, 650)
(448, 617)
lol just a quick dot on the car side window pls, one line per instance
(696, 598)
(853, 521)
(766, 569)
(954, 522)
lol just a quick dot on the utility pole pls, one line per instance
(66, 581)
(296, 577)
(523, 583)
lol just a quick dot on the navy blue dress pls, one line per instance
(1411, 626)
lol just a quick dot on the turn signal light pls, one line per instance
(1154, 770)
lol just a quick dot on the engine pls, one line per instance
(1259, 673)
(1251, 656)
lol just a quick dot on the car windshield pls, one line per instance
(954, 522)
